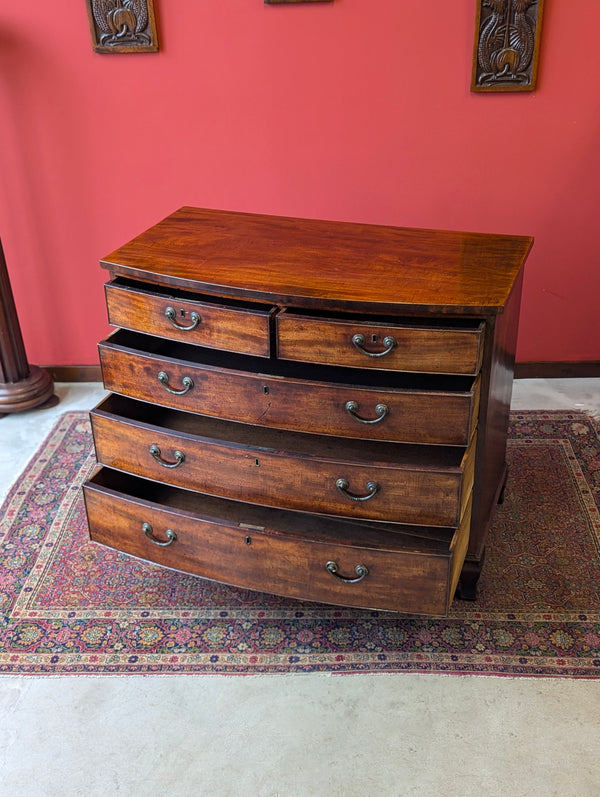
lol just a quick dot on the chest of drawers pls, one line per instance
(307, 408)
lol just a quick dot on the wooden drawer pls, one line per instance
(236, 326)
(284, 553)
(410, 346)
(375, 406)
(425, 485)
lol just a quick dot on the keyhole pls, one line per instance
(266, 390)
(182, 313)
(374, 338)
(248, 540)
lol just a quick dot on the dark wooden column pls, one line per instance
(22, 386)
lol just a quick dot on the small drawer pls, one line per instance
(236, 326)
(418, 485)
(410, 346)
(407, 408)
(289, 554)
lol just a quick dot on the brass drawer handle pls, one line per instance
(179, 457)
(343, 485)
(187, 383)
(359, 341)
(172, 317)
(171, 536)
(360, 570)
(381, 410)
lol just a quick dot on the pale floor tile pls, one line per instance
(295, 736)
(299, 736)
(21, 433)
(557, 394)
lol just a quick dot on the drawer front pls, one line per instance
(409, 416)
(203, 323)
(373, 345)
(276, 474)
(275, 561)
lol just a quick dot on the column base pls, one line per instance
(35, 390)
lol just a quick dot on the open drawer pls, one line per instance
(401, 569)
(231, 325)
(418, 485)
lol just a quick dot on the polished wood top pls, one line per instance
(325, 264)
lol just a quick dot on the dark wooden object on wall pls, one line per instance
(22, 386)
(123, 26)
(507, 44)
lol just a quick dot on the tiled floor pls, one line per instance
(301, 735)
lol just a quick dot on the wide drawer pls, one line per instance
(425, 485)
(236, 326)
(290, 554)
(425, 346)
(317, 399)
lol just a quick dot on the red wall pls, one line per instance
(354, 110)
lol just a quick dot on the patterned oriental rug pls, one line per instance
(69, 606)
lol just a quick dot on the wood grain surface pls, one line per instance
(313, 263)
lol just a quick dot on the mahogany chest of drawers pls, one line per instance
(307, 408)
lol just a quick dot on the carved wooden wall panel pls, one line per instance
(123, 26)
(507, 43)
